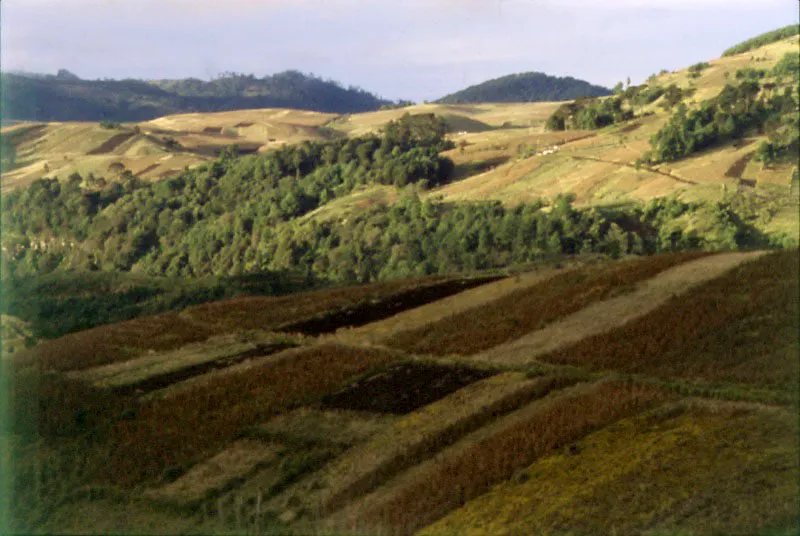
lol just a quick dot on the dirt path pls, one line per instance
(606, 315)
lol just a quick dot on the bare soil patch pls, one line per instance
(375, 310)
(165, 379)
(404, 387)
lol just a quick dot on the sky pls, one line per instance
(405, 49)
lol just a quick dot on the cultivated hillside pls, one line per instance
(335, 412)
(65, 97)
(526, 87)
(536, 318)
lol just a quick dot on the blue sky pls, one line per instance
(411, 49)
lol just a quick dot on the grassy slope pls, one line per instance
(599, 168)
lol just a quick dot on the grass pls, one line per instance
(308, 426)
(682, 469)
(530, 309)
(212, 476)
(186, 428)
(550, 423)
(741, 327)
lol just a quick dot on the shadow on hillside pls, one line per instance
(466, 170)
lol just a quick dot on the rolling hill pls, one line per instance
(526, 87)
(440, 319)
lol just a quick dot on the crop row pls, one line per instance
(125, 340)
(453, 479)
(741, 327)
(182, 430)
(729, 470)
(420, 435)
(521, 312)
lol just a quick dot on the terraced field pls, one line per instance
(655, 394)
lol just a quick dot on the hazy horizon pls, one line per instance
(417, 50)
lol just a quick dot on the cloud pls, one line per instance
(488, 6)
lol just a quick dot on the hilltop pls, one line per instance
(526, 87)
(65, 97)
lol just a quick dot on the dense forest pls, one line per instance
(65, 97)
(526, 87)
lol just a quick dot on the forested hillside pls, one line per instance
(245, 216)
(526, 87)
(68, 98)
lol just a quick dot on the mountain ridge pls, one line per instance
(66, 97)
(526, 87)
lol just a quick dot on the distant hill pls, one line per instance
(65, 97)
(526, 87)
